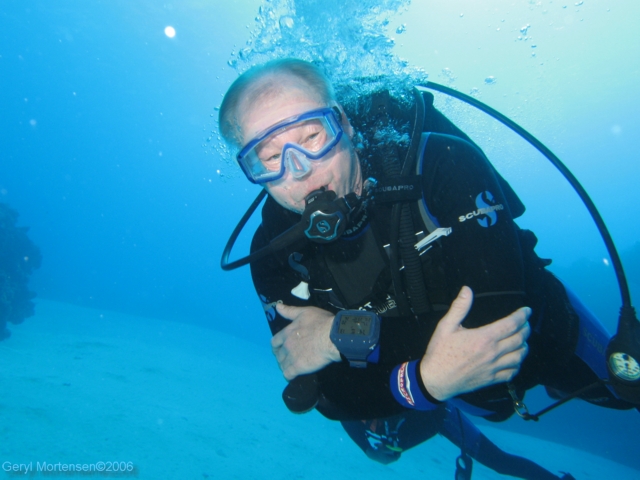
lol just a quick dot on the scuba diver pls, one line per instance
(389, 265)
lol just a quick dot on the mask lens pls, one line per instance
(293, 143)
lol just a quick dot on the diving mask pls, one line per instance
(314, 134)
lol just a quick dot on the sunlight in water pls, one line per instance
(169, 31)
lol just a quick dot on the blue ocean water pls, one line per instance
(109, 150)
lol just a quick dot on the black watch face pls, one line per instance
(355, 325)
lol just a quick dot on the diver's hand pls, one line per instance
(460, 360)
(304, 346)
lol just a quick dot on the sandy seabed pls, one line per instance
(177, 401)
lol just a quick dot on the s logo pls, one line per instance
(486, 211)
(485, 202)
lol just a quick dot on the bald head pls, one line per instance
(266, 83)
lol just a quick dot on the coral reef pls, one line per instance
(18, 258)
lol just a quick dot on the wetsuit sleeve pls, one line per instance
(273, 280)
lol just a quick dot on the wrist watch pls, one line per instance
(355, 333)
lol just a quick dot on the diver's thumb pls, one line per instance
(459, 308)
(287, 311)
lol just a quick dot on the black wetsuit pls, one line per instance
(486, 251)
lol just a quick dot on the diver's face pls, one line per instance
(338, 170)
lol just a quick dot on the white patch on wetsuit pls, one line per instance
(301, 291)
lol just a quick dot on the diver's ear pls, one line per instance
(344, 121)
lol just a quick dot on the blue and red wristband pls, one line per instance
(409, 390)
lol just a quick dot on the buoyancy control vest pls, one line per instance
(399, 166)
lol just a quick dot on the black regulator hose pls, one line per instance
(323, 220)
(413, 266)
(402, 232)
(224, 261)
(392, 169)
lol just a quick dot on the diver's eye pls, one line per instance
(272, 162)
(312, 136)
(315, 141)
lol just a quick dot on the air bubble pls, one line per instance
(286, 22)
(353, 40)
(446, 72)
(491, 80)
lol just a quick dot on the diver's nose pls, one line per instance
(298, 164)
